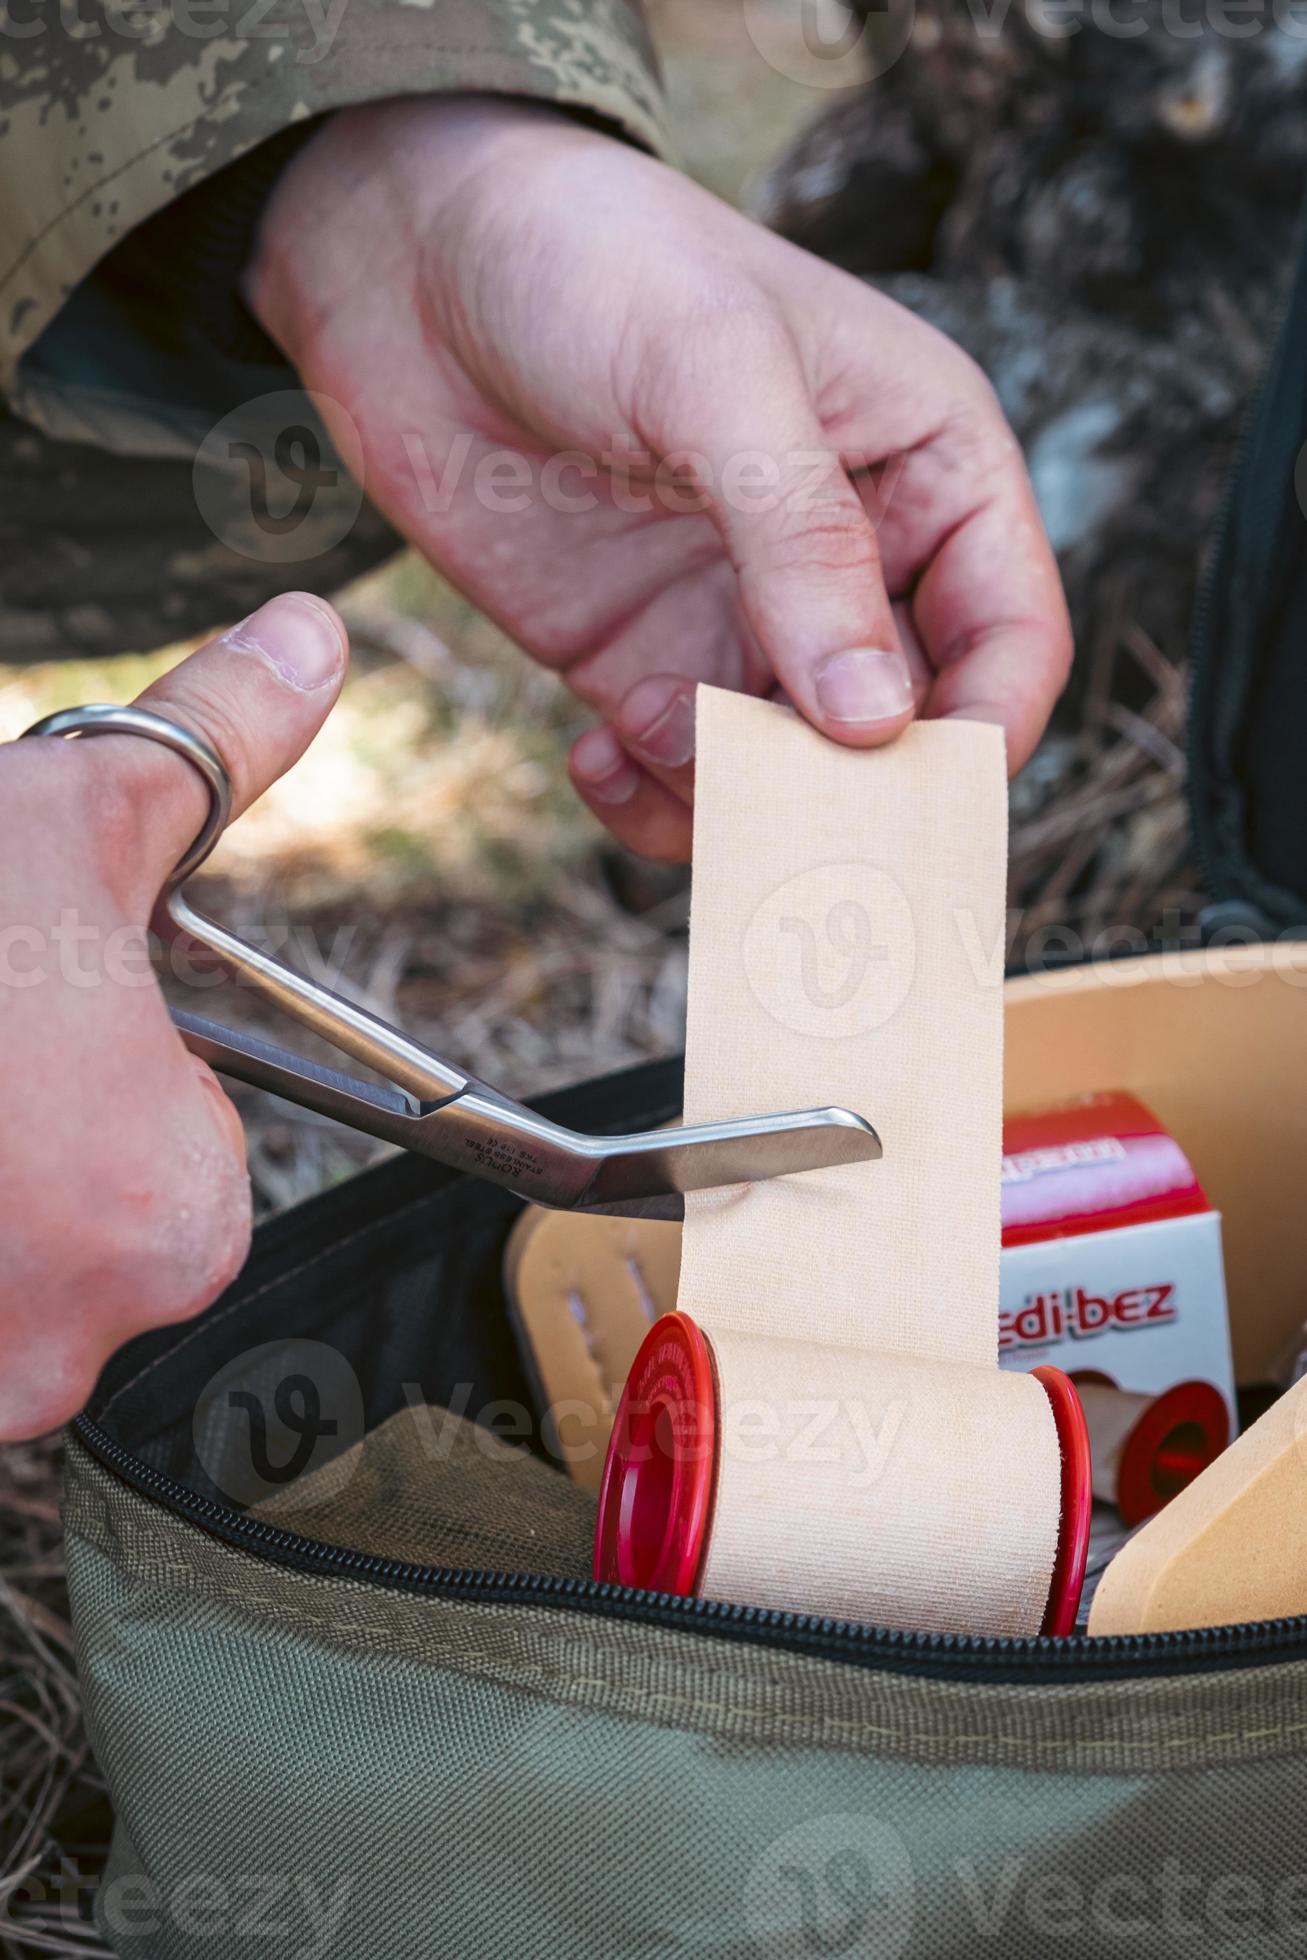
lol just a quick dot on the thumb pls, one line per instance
(130, 1223)
(259, 694)
(811, 584)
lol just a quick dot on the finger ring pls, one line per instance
(106, 720)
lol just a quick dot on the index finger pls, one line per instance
(957, 523)
(991, 613)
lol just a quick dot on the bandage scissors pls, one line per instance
(427, 1104)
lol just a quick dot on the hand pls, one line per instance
(773, 478)
(124, 1201)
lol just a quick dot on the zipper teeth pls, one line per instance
(968, 1654)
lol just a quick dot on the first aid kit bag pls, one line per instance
(339, 1637)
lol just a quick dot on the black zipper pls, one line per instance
(958, 1656)
(1220, 576)
(1200, 657)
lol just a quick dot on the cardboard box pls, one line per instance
(1112, 1265)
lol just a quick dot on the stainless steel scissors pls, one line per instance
(432, 1107)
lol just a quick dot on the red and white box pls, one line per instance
(1112, 1266)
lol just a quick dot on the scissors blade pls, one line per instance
(669, 1208)
(376, 1108)
(644, 1175)
(657, 1168)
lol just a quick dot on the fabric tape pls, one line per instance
(847, 939)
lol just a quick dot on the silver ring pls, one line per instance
(100, 720)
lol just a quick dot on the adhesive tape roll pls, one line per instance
(823, 1426)
(717, 1484)
(1147, 1448)
(847, 1484)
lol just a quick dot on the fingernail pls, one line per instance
(604, 766)
(298, 637)
(864, 684)
(661, 730)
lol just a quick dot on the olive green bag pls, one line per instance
(355, 1693)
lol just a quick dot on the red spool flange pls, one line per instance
(1077, 1502)
(660, 1475)
(655, 1501)
(1175, 1438)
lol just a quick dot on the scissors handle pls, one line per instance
(355, 1031)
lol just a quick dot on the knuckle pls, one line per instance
(716, 342)
(117, 815)
(957, 379)
(1062, 652)
(174, 1249)
(976, 433)
(974, 387)
(227, 718)
(138, 1233)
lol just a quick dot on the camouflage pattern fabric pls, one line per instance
(110, 110)
(103, 554)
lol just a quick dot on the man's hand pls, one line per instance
(657, 443)
(123, 1196)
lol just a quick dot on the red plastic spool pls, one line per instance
(655, 1501)
(1175, 1438)
(1077, 1501)
(660, 1475)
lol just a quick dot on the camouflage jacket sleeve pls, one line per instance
(113, 108)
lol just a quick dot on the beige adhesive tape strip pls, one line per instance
(846, 946)
(1113, 1414)
(1230, 1547)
